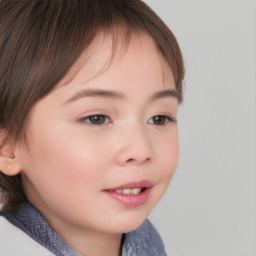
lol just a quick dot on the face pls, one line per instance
(102, 147)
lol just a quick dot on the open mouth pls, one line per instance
(132, 188)
(131, 194)
(129, 191)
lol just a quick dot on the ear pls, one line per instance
(9, 164)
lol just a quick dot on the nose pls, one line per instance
(134, 146)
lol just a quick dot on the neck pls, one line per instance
(88, 242)
(94, 244)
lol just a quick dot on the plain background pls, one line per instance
(210, 206)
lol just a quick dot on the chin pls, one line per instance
(125, 224)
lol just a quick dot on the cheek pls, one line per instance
(64, 168)
(168, 152)
(167, 155)
(74, 162)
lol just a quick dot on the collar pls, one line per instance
(144, 241)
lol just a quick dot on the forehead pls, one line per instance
(138, 72)
(107, 49)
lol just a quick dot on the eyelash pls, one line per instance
(88, 119)
(101, 119)
(165, 118)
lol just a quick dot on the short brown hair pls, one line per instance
(40, 40)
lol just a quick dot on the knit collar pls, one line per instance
(30, 220)
(144, 241)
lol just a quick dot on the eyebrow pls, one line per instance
(165, 94)
(96, 93)
(118, 95)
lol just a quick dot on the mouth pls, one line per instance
(132, 188)
(130, 191)
(131, 194)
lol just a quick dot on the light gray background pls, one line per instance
(210, 206)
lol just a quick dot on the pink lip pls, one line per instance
(131, 200)
(135, 184)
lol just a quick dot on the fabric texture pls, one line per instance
(144, 241)
(14, 242)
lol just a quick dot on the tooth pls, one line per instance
(127, 191)
(136, 191)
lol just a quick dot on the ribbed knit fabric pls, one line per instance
(144, 241)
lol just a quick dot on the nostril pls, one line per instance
(132, 154)
(130, 160)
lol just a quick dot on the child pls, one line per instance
(89, 91)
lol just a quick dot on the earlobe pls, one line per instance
(9, 164)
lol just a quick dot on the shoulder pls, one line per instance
(15, 242)
(144, 241)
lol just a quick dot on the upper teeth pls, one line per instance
(128, 191)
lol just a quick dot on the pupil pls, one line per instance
(97, 119)
(159, 120)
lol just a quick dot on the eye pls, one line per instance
(160, 120)
(96, 119)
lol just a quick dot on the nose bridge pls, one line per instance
(134, 144)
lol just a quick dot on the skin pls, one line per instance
(67, 161)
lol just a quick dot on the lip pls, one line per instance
(131, 200)
(134, 184)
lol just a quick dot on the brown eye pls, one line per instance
(96, 119)
(159, 120)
